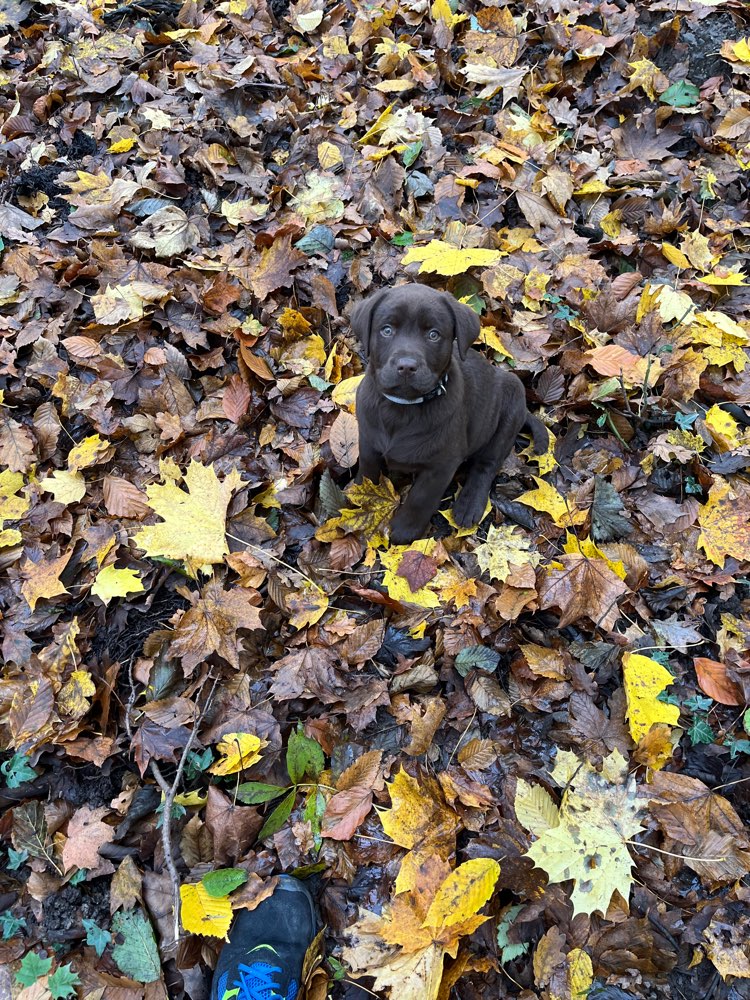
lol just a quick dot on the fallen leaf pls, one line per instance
(715, 681)
(41, 579)
(237, 751)
(352, 802)
(504, 548)
(193, 522)
(588, 844)
(439, 257)
(725, 523)
(582, 587)
(86, 834)
(211, 624)
(644, 680)
(202, 913)
(111, 582)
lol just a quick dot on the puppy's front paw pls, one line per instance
(404, 529)
(469, 508)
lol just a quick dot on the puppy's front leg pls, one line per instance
(413, 517)
(371, 463)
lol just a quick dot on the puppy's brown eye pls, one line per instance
(433, 335)
(386, 331)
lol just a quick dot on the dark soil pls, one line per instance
(699, 46)
(64, 910)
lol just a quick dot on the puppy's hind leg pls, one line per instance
(484, 465)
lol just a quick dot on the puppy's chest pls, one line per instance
(409, 442)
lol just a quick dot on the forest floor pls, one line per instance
(513, 762)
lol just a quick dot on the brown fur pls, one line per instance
(475, 421)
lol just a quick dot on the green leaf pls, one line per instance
(411, 152)
(62, 983)
(279, 816)
(403, 240)
(33, 967)
(10, 925)
(683, 94)
(252, 793)
(607, 523)
(225, 880)
(17, 770)
(477, 657)
(304, 757)
(700, 732)
(17, 859)
(319, 240)
(746, 721)
(313, 813)
(137, 956)
(510, 949)
(96, 937)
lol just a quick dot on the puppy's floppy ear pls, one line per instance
(465, 324)
(361, 318)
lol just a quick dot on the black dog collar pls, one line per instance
(439, 390)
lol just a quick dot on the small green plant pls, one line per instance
(304, 759)
(17, 770)
(11, 925)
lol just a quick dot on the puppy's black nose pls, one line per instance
(407, 366)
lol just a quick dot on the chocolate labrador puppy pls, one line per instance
(428, 404)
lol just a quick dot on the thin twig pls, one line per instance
(682, 857)
(169, 792)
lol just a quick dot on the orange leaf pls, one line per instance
(716, 683)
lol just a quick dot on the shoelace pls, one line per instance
(258, 982)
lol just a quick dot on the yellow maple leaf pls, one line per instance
(724, 278)
(463, 893)
(725, 523)
(723, 427)
(587, 547)
(111, 582)
(598, 814)
(375, 506)
(644, 75)
(238, 751)
(546, 499)
(398, 586)
(506, 546)
(73, 699)
(204, 914)
(403, 948)
(420, 821)
(644, 680)
(65, 486)
(441, 11)
(439, 257)
(42, 579)
(12, 507)
(194, 522)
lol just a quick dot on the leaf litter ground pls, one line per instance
(512, 761)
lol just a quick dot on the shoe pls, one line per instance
(266, 949)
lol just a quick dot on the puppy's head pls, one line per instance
(408, 334)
